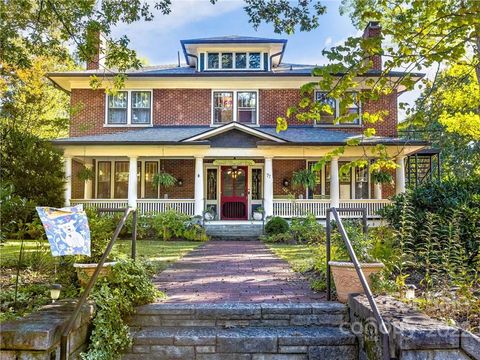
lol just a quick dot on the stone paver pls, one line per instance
(233, 271)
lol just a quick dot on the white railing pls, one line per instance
(300, 207)
(185, 206)
(101, 203)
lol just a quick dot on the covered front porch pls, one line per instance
(232, 189)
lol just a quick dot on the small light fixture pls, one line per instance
(410, 291)
(55, 292)
(180, 182)
(286, 183)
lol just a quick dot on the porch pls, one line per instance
(231, 189)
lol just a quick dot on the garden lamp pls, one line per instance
(55, 291)
(410, 292)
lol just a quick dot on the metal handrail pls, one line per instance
(68, 328)
(358, 268)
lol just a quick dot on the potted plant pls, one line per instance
(85, 174)
(305, 179)
(209, 213)
(344, 273)
(101, 231)
(164, 179)
(258, 213)
(381, 177)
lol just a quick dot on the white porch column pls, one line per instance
(199, 186)
(268, 187)
(400, 175)
(132, 183)
(334, 183)
(377, 191)
(68, 178)
(87, 194)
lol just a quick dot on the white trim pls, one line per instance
(337, 113)
(235, 107)
(233, 68)
(129, 110)
(231, 126)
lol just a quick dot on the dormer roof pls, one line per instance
(192, 47)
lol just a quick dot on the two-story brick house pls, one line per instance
(212, 124)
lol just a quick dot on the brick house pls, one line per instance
(211, 124)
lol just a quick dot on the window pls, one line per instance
(117, 108)
(345, 180)
(349, 106)
(222, 107)
(151, 168)
(103, 180)
(234, 61)
(247, 107)
(361, 183)
(316, 191)
(241, 106)
(213, 62)
(325, 116)
(130, 107)
(141, 105)
(257, 184)
(121, 180)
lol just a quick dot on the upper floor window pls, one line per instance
(241, 106)
(349, 106)
(130, 107)
(234, 61)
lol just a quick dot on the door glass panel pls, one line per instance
(256, 184)
(234, 181)
(121, 179)
(211, 184)
(103, 180)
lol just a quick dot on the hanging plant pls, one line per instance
(86, 174)
(304, 178)
(164, 179)
(381, 177)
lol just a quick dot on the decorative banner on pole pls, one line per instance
(67, 230)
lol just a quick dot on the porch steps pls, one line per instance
(241, 331)
(234, 230)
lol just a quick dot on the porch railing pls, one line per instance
(144, 206)
(318, 207)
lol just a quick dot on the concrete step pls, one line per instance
(240, 314)
(234, 230)
(250, 343)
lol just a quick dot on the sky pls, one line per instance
(158, 41)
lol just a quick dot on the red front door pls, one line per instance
(234, 199)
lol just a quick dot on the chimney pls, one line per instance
(374, 30)
(98, 43)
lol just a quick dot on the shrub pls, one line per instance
(307, 229)
(276, 225)
(170, 224)
(116, 297)
(15, 212)
(362, 244)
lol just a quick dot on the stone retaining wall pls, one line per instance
(37, 336)
(413, 335)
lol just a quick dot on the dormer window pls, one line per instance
(234, 61)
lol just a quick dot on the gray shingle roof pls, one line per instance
(175, 134)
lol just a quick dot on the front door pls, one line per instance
(234, 197)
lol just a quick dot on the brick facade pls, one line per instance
(193, 107)
(183, 169)
(284, 169)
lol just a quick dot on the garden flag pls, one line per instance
(67, 230)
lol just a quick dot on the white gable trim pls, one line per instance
(232, 126)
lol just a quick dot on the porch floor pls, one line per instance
(234, 271)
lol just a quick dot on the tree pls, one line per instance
(447, 98)
(31, 103)
(44, 27)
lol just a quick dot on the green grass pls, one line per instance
(160, 252)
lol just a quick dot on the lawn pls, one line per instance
(308, 260)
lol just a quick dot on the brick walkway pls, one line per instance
(231, 271)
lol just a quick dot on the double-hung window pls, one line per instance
(129, 107)
(234, 61)
(240, 106)
(348, 107)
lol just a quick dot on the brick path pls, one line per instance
(233, 271)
